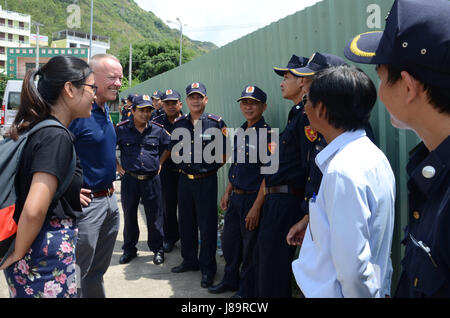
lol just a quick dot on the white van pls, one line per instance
(11, 101)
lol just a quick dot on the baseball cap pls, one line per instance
(142, 101)
(294, 62)
(253, 92)
(318, 61)
(170, 94)
(416, 39)
(157, 94)
(196, 87)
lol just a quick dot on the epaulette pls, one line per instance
(158, 117)
(157, 124)
(123, 123)
(180, 118)
(215, 117)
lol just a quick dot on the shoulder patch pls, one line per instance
(158, 117)
(180, 118)
(123, 123)
(215, 117)
(157, 124)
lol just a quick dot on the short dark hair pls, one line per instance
(348, 95)
(438, 97)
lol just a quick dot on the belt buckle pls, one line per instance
(191, 176)
(110, 192)
(141, 177)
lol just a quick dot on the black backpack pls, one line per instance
(10, 157)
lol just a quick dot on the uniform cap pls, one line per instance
(294, 62)
(196, 87)
(142, 101)
(253, 92)
(157, 94)
(318, 61)
(170, 94)
(416, 39)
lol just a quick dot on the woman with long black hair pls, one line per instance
(43, 261)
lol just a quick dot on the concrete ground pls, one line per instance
(141, 278)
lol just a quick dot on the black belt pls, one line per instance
(240, 191)
(197, 176)
(142, 177)
(284, 189)
(103, 193)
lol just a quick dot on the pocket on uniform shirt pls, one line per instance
(151, 143)
(425, 276)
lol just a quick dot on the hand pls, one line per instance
(10, 260)
(252, 219)
(225, 201)
(297, 232)
(85, 197)
(120, 170)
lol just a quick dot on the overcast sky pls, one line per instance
(222, 22)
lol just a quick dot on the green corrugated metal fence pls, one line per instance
(326, 27)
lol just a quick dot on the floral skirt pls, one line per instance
(48, 269)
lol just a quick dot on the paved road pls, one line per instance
(142, 279)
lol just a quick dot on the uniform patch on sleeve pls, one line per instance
(225, 131)
(310, 133)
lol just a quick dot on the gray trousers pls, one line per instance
(97, 232)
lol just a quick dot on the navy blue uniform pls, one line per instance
(139, 155)
(282, 207)
(238, 242)
(157, 113)
(169, 181)
(126, 114)
(426, 265)
(197, 196)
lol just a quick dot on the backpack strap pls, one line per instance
(67, 180)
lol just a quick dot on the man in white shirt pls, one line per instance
(346, 248)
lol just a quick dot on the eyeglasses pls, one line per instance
(94, 88)
(305, 99)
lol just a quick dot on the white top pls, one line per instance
(347, 245)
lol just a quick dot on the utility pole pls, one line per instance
(92, 21)
(181, 36)
(181, 40)
(130, 66)
(37, 42)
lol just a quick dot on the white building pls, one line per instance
(78, 39)
(14, 32)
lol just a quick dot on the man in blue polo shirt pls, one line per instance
(95, 145)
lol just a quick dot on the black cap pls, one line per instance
(294, 62)
(416, 39)
(253, 92)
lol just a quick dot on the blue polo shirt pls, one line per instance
(95, 145)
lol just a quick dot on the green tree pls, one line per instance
(152, 58)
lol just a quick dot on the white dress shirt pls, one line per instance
(347, 245)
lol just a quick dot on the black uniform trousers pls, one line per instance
(169, 183)
(273, 255)
(238, 246)
(197, 210)
(132, 191)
